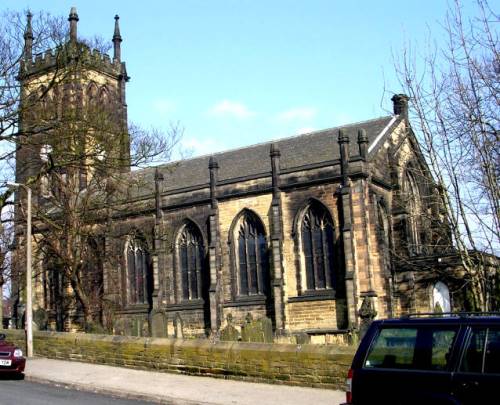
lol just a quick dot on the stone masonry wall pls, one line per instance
(304, 365)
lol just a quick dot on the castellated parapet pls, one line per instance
(72, 52)
(63, 56)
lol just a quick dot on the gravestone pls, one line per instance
(260, 330)
(301, 338)
(159, 324)
(229, 333)
(145, 330)
(41, 319)
(121, 327)
(367, 313)
(178, 326)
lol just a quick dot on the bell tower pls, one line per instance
(72, 89)
(72, 130)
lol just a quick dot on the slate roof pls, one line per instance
(254, 160)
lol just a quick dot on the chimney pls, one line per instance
(400, 104)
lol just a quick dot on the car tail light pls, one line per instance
(348, 387)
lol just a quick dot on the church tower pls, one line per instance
(73, 135)
(72, 99)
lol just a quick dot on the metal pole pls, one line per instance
(29, 306)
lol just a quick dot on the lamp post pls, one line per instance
(29, 306)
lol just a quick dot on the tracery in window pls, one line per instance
(413, 208)
(191, 262)
(104, 97)
(382, 224)
(139, 272)
(317, 240)
(251, 256)
(92, 95)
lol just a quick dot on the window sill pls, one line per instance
(320, 295)
(135, 309)
(247, 300)
(186, 305)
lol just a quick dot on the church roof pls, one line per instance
(253, 161)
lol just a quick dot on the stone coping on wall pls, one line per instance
(305, 365)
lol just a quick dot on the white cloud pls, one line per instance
(227, 108)
(297, 114)
(163, 106)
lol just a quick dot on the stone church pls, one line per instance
(311, 235)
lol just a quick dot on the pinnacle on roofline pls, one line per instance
(28, 38)
(117, 39)
(73, 20)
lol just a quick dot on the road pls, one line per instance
(28, 393)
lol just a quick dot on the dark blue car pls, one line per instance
(424, 359)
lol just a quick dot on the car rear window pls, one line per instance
(482, 353)
(423, 348)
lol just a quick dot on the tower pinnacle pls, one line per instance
(28, 38)
(117, 39)
(73, 20)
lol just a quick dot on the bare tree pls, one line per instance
(74, 148)
(454, 100)
(83, 191)
(45, 32)
(6, 236)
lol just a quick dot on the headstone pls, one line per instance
(260, 330)
(229, 333)
(40, 318)
(145, 328)
(119, 327)
(179, 333)
(367, 313)
(136, 327)
(159, 324)
(301, 338)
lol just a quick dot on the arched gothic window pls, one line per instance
(67, 98)
(317, 237)
(104, 97)
(91, 93)
(413, 208)
(251, 256)
(441, 298)
(43, 102)
(191, 262)
(382, 224)
(139, 272)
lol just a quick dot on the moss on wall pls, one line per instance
(305, 365)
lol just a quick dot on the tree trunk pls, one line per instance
(84, 302)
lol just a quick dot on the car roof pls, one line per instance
(459, 319)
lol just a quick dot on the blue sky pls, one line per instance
(235, 73)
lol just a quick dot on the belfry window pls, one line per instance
(251, 256)
(191, 259)
(317, 236)
(139, 273)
